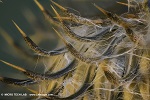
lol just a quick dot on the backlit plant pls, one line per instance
(104, 59)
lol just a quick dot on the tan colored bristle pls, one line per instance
(58, 16)
(19, 29)
(39, 5)
(62, 8)
(14, 66)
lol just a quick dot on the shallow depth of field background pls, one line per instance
(31, 20)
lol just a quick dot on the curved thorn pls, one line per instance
(34, 47)
(115, 18)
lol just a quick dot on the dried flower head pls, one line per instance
(101, 58)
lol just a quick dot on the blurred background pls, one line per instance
(31, 20)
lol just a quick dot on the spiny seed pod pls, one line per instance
(104, 58)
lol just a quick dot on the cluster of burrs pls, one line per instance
(101, 58)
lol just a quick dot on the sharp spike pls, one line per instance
(113, 17)
(20, 30)
(14, 66)
(58, 16)
(102, 10)
(59, 6)
(47, 14)
(39, 5)
(14, 44)
(68, 30)
(122, 3)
